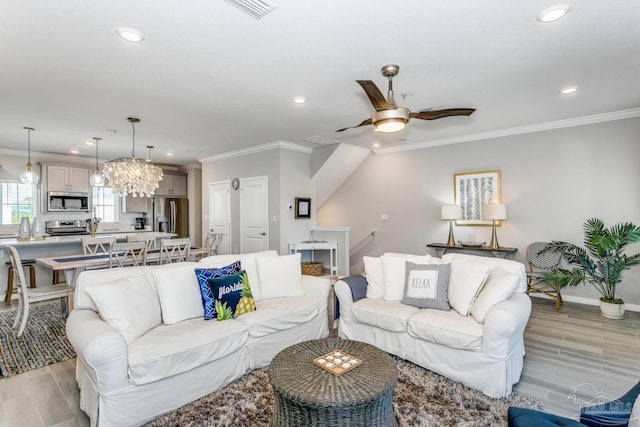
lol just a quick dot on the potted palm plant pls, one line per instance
(600, 263)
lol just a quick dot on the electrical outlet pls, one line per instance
(384, 217)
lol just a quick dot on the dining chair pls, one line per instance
(94, 245)
(128, 254)
(174, 250)
(150, 241)
(211, 244)
(28, 295)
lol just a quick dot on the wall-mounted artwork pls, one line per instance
(303, 207)
(472, 190)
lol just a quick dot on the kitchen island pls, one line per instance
(56, 246)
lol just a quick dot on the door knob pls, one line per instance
(262, 234)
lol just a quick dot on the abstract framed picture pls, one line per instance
(303, 207)
(472, 190)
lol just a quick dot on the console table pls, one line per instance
(315, 247)
(442, 248)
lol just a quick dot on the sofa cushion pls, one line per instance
(279, 314)
(203, 275)
(394, 272)
(375, 276)
(179, 293)
(169, 350)
(427, 286)
(499, 286)
(247, 263)
(510, 265)
(280, 276)
(232, 295)
(389, 315)
(467, 278)
(447, 328)
(130, 306)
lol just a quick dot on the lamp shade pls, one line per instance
(451, 212)
(497, 211)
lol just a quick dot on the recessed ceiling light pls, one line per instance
(376, 144)
(130, 35)
(569, 90)
(74, 150)
(169, 154)
(299, 100)
(554, 13)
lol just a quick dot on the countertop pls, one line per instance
(56, 240)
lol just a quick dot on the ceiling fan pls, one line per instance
(388, 117)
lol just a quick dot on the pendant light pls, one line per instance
(29, 176)
(131, 175)
(96, 180)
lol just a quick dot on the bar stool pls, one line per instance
(32, 277)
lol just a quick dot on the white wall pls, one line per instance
(551, 182)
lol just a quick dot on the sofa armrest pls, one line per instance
(342, 291)
(100, 348)
(504, 326)
(318, 287)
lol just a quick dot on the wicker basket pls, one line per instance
(312, 268)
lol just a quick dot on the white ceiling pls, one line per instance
(209, 77)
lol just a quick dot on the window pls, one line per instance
(105, 204)
(17, 201)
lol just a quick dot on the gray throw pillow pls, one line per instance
(427, 286)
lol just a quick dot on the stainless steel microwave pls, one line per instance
(67, 202)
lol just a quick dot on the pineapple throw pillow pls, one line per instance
(203, 275)
(232, 295)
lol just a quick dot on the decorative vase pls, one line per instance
(24, 232)
(611, 311)
(36, 229)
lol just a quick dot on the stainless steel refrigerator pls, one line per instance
(171, 215)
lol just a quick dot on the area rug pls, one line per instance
(42, 343)
(421, 398)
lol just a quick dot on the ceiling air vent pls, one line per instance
(317, 139)
(255, 8)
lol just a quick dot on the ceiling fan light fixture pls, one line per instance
(553, 13)
(390, 121)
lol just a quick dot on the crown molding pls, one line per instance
(541, 127)
(257, 149)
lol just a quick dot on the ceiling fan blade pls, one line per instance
(364, 123)
(438, 114)
(375, 96)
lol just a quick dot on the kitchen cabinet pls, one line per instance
(172, 184)
(67, 179)
(132, 204)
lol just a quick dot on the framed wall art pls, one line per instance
(471, 191)
(303, 207)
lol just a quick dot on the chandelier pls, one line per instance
(128, 175)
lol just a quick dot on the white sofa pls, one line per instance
(133, 366)
(482, 349)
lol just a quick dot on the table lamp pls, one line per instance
(494, 212)
(451, 212)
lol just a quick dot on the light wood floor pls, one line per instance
(567, 349)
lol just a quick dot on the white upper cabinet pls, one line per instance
(69, 179)
(172, 185)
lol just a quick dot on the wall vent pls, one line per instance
(317, 139)
(255, 8)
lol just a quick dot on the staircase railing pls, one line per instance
(365, 238)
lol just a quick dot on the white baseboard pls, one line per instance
(585, 301)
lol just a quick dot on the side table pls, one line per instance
(307, 395)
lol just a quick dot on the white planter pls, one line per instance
(611, 311)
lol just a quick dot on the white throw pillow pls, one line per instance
(280, 276)
(130, 306)
(499, 286)
(634, 418)
(179, 292)
(393, 266)
(375, 276)
(467, 278)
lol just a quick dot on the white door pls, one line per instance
(220, 213)
(254, 214)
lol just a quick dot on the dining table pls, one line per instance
(73, 265)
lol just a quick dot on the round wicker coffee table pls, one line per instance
(307, 395)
